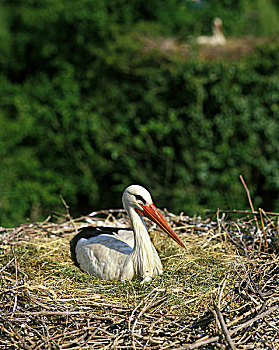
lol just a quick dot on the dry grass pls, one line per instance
(227, 277)
(234, 48)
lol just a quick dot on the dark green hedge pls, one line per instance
(185, 130)
(86, 111)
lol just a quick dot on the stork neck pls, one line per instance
(140, 230)
(143, 253)
(217, 31)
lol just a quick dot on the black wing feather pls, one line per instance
(88, 232)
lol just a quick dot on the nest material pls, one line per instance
(233, 49)
(221, 292)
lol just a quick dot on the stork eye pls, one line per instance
(140, 198)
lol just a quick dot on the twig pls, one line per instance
(224, 328)
(261, 216)
(62, 313)
(5, 266)
(231, 332)
(235, 211)
(23, 343)
(250, 201)
(248, 192)
(199, 344)
(16, 276)
(254, 319)
(223, 283)
(68, 215)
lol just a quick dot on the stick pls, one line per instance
(23, 343)
(199, 344)
(235, 211)
(261, 216)
(249, 199)
(233, 331)
(3, 268)
(247, 191)
(59, 313)
(254, 319)
(224, 328)
(68, 212)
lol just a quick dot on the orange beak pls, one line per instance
(153, 214)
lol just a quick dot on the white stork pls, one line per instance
(217, 38)
(123, 254)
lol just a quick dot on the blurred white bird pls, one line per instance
(217, 38)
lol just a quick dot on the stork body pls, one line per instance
(217, 38)
(123, 254)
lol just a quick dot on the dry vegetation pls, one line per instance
(234, 48)
(221, 292)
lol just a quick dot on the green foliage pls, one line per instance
(260, 17)
(86, 111)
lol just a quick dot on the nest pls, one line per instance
(221, 292)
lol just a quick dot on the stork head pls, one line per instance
(138, 198)
(135, 196)
(217, 23)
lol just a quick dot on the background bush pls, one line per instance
(85, 111)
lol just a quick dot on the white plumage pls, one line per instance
(217, 38)
(121, 254)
